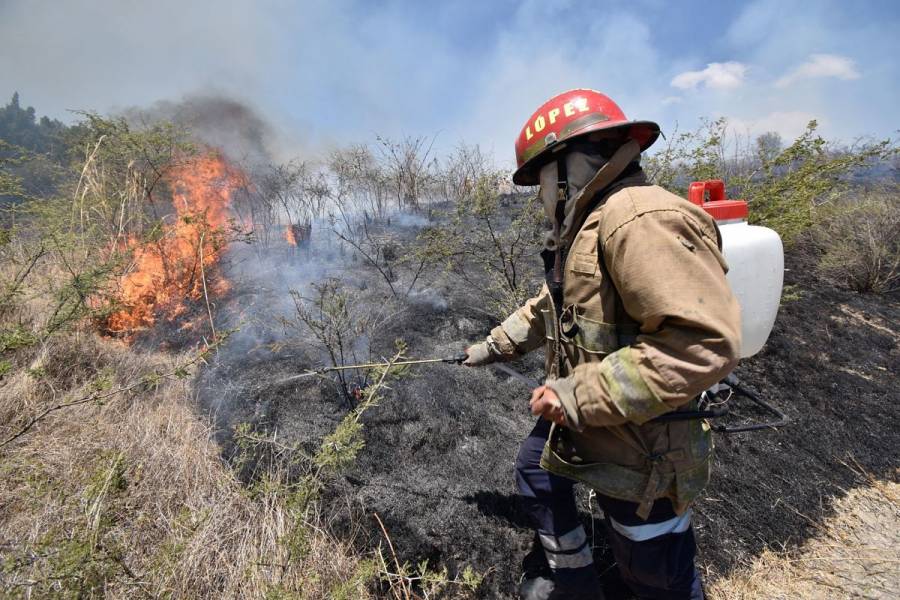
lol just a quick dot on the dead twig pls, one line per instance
(404, 585)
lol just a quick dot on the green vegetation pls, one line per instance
(809, 190)
(786, 186)
(20, 126)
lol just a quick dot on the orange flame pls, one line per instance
(289, 235)
(174, 269)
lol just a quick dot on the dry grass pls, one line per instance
(855, 554)
(860, 240)
(131, 498)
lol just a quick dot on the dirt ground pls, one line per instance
(437, 467)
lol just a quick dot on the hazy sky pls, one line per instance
(347, 70)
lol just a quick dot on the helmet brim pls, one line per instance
(644, 132)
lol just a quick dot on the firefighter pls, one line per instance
(637, 319)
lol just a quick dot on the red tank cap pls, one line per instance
(710, 196)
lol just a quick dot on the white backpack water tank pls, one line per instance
(755, 259)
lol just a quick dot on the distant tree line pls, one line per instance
(21, 127)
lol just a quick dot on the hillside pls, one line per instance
(167, 307)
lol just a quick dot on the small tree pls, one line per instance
(342, 327)
(486, 248)
(360, 182)
(784, 185)
(786, 189)
(408, 168)
(382, 250)
(462, 171)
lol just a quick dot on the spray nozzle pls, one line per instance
(458, 359)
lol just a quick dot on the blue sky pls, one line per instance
(333, 72)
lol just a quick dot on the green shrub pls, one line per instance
(786, 186)
(488, 248)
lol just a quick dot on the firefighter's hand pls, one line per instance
(545, 402)
(478, 355)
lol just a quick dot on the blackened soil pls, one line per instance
(438, 462)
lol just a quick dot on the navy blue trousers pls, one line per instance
(655, 557)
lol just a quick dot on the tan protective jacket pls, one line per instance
(648, 323)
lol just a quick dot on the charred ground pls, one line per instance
(437, 465)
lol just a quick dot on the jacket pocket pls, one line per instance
(585, 263)
(596, 337)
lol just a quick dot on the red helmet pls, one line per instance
(570, 115)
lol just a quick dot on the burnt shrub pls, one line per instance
(859, 242)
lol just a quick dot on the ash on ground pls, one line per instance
(438, 462)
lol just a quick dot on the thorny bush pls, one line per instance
(860, 243)
(383, 250)
(479, 243)
(342, 327)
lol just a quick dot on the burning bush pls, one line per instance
(111, 484)
(170, 266)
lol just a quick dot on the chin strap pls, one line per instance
(554, 195)
(555, 275)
